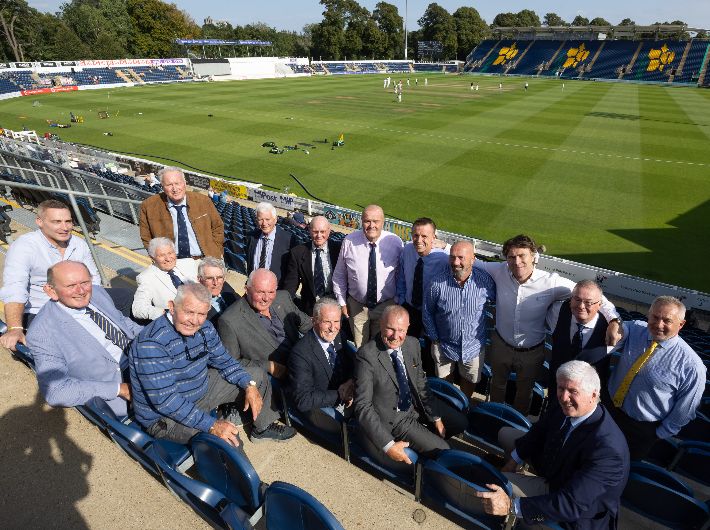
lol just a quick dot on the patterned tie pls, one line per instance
(262, 257)
(183, 240)
(319, 274)
(577, 340)
(332, 355)
(418, 285)
(177, 282)
(371, 296)
(554, 446)
(112, 333)
(405, 395)
(623, 389)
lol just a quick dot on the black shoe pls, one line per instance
(276, 432)
(232, 414)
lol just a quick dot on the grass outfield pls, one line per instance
(615, 175)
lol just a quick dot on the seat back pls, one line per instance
(228, 470)
(697, 430)
(207, 502)
(486, 419)
(693, 461)
(448, 393)
(288, 507)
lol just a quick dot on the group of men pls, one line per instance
(204, 346)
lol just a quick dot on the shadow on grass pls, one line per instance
(677, 255)
(43, 471)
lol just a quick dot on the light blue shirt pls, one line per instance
(26, 264)
(269, 249)
(195, 249)
(453, 315)
(436, 262)
(670, 385)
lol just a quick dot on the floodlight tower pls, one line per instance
(405, 29)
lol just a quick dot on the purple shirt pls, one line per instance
(350, 274)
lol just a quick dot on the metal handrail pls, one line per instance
(77, 213)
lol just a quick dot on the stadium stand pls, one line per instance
(540, 52)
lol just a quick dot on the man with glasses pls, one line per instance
(78, 341)
(180, 371)
(211, 273)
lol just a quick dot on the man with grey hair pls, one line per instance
(180, 372)
(189, 218)
(158, 284)
(211, 273)
(268, 246)
(659, 380)
(579, 455)
(311, 265)
(319, 367)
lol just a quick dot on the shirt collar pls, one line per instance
(589, 324)
(183, 202)
(663, 343)
(536, 274)
(575, 422)
(73, 311)
(49, 243)
(271, 236)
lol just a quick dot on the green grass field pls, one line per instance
(614, 175)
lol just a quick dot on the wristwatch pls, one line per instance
(251, 383)
(618, 320)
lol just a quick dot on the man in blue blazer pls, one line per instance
(78, 340)
(579, 455)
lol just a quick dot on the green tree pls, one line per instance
(437, 24)
(391, 25)
(523, 18)
(505, 20)
(374, 41)
(528, 17)
(104, 26)
(553, 19)
(15, 25)
(471, 29)
(579, 20)
(156, 26)
(627, 22)
(599, 21)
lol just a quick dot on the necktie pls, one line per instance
(418, 285)
(405, 395)
(623, 389)
(332, 355)
(554, 446)
(183, 241)
(262, 257)
(177, 282)
(318, 274)
(371, 296)
(112, 333)
(577, 340)
(220, 303)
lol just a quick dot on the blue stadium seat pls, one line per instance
(451, 481)
(326, 424)
(486, 419)
(206, 501)
(135, 441)
(654, 493)
(449, 393)
(697, 430)
(288, 507)
(693, 461)
(228, 470)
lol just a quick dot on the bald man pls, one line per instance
(311, 266)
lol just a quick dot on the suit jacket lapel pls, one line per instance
(251, 317)
(576, 437)
(164, 279)
(386, 361)
(308, 266)
(84, 341)
(320, 354)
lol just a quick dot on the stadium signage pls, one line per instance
(48, 90)
(4, 65)
(48, 64)
(197, 181)
(218, 42)
(67, 63)
(130, 62)
(234, 190)
(23, 65)
(277, 199)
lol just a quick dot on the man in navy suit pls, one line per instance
(311, 265)
(78, 340)
(319, 368)
(268, 246)
(211, 272)
(579, 454)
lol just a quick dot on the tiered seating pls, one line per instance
(656, 61)
(616, 54)
(573, 56)
(427, 67)
(478, 53)
(397, 68)
(540, 52)
(300, 68)
(337, 68)
(693, 62)
(97, 76)
(503, 54)
(157, 74)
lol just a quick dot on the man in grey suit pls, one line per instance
(391, 392)
(261, 328)
(78, 340)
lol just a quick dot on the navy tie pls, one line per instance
(332, 355)
(177, 282)
(183, 240)
(555, 444)
(405, 395)
(262, 258)
(577, 341)
(319, 274)
(371, 296)
(418, 285)
(112, 333)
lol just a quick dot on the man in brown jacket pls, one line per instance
(188, 218)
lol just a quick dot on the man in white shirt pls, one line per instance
(524, 294)
(26, 264)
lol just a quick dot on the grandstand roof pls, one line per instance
(659, 30)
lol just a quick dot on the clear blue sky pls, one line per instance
(294, 14)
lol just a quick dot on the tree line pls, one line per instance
(114, 29)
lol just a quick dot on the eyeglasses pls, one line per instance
(215, 279)
(200, 355)
(586, 303)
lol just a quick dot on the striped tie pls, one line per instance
(113, 334)
(623, 389)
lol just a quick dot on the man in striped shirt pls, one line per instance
(454, 319)
(173, 390)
